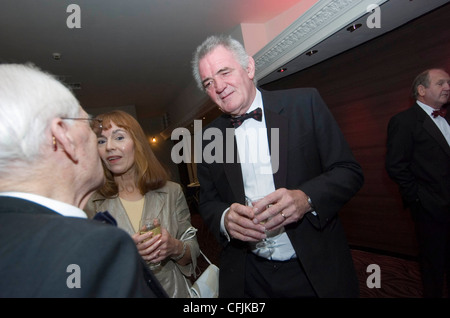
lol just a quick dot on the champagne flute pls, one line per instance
(150, 224)
(266, 242)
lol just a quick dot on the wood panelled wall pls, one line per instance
(363, 88)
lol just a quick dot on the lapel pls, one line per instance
(277, 132)
(277, 127)
(154, 203)
(231, 165)
(432, 129)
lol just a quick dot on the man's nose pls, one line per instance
(219, 85)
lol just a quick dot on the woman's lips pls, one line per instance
(113, 159)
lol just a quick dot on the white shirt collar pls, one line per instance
(57, 206)
(257, 102)
(428, 109)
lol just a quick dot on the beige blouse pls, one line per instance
(169, 205)
(134, 211)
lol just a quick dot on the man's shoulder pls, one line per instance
(76, 231)
(291, 97)
(297, 91)
(92, 228)
(412, 112)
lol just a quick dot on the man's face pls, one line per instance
(437, 93)
(226, 82)
(90, 162)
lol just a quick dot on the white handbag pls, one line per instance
(207, 284)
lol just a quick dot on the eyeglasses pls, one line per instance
(95, 123)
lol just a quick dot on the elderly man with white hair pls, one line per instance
(49, 167)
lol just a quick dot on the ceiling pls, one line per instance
(135, 54)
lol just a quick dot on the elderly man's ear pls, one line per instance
(62, 138)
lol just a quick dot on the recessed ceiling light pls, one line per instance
(312, 52)
(354, 27)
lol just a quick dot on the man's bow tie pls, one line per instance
(439, 112)
(256, 114)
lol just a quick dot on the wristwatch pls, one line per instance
(311, 205)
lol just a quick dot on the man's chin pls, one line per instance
(232, 109)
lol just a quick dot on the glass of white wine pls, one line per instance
(150, 224)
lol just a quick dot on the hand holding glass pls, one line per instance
(153, 225)
(267, 242)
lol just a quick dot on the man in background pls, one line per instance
(418, 160)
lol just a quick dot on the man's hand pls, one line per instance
(280, 208)
(239, 224)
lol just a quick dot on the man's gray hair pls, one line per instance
(29, 100)
(211, 43)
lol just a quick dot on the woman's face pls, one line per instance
(116, 148)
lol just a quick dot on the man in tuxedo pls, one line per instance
(418, 160)
(295, 156)
(49, 166)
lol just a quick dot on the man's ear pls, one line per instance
(251, 68)
(62, 135)
(421, 90)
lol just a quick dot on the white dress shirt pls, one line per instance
(442, 124)
(57, 206)
(254, 156)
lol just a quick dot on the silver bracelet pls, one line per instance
(177, 258)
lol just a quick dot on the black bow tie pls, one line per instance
(439, 112)
(256, 114)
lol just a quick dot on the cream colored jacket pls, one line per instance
(169, 205)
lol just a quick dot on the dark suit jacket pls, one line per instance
(418, 160)
(37, 245)
(313, 157)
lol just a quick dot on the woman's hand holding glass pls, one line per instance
(148, 240)
(155, 243)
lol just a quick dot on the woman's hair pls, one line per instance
(150, 174)
(211, 43)
(29, 99)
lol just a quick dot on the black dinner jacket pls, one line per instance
(37, 245)
(314, 157)
(418, 160)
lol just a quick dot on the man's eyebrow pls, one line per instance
(222, 70)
